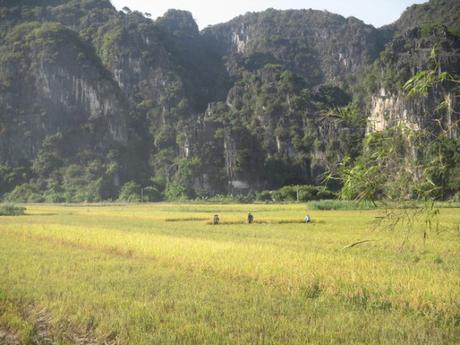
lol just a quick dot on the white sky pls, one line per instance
(375, 12)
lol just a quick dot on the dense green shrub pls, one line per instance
(175, 192)
(54, 197)
(11, 177)
(286, 193)
(133, 192)
(152, 194)
(264, 196)
(225, 199)
(326, 205)
(298, 193)
(11, 210)
(130, 192)
(307, 193)
(25, 193)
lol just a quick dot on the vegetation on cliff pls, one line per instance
(92, 99)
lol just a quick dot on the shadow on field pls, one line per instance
(41, 214)
(188, 219)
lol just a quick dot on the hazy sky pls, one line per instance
(375, 12)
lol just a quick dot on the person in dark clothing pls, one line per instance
(215, 219)
(250, 218)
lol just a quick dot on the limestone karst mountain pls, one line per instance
(91, 98)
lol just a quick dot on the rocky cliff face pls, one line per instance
(319, 46)
(289, 68)
(267, 99)
(53, 82)
(420, 29)
(414, 51)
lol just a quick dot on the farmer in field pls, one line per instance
(307, 219)
(250, 218)
(215, 219)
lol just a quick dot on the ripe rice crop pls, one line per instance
(158, 274)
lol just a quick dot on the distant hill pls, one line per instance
(92, 98)
(434, 12)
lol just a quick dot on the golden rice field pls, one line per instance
(160, 274)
